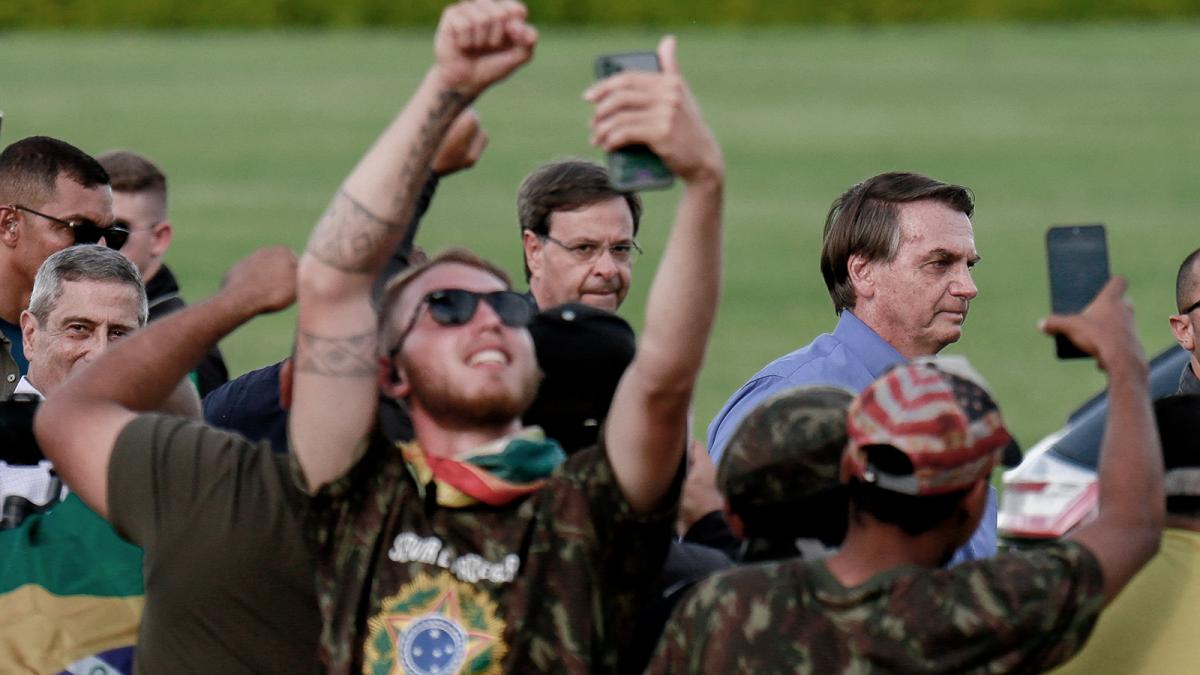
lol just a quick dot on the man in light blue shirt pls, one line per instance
(896, 256)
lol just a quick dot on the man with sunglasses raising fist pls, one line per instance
(52, 195)
(479, 543)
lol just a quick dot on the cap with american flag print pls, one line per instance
(948, 426)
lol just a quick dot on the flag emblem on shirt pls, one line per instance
(435, 625)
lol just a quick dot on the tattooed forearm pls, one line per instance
(355, 236)
(449, 104)
(352, 356)
(348, 236)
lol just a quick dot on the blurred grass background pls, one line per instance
(1046, 123)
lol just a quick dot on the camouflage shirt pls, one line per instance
(1017, 612)
(549, 583)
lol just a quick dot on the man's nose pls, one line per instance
(964, 286)
(95, 345)
(486, 316)
(605, 265)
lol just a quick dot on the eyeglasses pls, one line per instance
(1190, 308)
(590, 251)
(455, 307)
(86, 231)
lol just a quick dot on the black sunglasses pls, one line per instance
(455, 307)
(86, 231)
(1190, 308)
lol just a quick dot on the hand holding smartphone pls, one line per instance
(634, 168)
(1077, 257)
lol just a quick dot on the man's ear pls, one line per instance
(862, 275)
(533, 251)
(160, 238)
(28, 328)
(9, 226)
(1181, 328)
(393, 381)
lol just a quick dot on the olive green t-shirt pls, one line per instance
(229, 580)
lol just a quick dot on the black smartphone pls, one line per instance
(634, 168)
(17, 444)
(1077, 256)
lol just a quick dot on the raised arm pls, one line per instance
(1127, 532)
(647, 426)
(78, 426)
(478, 43)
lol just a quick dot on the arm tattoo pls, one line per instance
(349, 236)
(353, 356)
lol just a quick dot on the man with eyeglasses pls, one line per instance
(139, 202)
(1183, 324)
(485, 542)
(578, 235)
(495, 553)
(52, 195)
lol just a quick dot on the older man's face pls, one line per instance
(586, 258)
(922, 296)
(87, 318)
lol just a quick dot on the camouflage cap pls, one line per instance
(787, 448)
(948, 427)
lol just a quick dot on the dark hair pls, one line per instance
(820, 516)
(1185, 281)
(30, 167)
(395, 287)
(131, 172)
(566, 185)
(914, 514)
(864, 220)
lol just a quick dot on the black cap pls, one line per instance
(583, 351)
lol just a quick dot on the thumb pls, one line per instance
(666, 55)
(1055, 324)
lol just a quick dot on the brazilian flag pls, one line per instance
(71, 594)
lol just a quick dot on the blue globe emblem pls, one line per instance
(433, 645)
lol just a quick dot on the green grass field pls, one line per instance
(1047, 125)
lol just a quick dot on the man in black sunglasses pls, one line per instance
(527, 545)
(52, 195)
(478, 545)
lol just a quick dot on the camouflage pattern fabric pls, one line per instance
(1018, 612)
(787, 448)
(549, 583)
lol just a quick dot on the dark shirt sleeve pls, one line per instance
(162, 471)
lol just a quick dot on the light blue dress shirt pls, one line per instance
(853, 356)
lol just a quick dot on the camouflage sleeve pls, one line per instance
(341, 525)
(1025, 611)
(721, 624)
(626, 549)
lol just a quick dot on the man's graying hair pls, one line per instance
(87, 262)
(865, 220)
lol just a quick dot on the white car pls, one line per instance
(1054, 488)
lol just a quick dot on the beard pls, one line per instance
(494, 403)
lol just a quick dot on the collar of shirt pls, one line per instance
(873, 351)
(24, 387)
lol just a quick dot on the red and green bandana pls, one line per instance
(495, 474)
